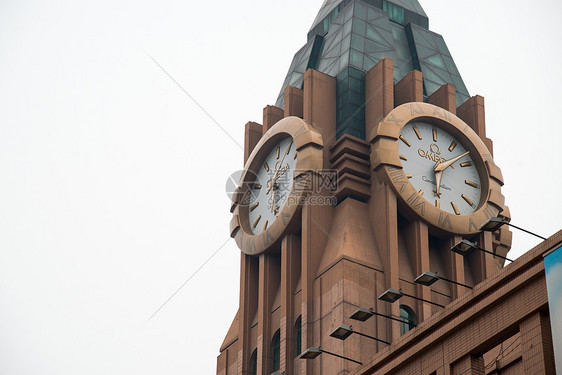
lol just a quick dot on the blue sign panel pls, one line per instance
(553, 269)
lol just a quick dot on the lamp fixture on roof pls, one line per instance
(343, 332)
(393, 295)
(428, 278)
(313, 352)
(494, 223)
(465, 247)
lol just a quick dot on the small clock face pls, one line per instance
(273, 185)
(440, 168)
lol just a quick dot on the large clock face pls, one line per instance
(272, 185)
(440, 168)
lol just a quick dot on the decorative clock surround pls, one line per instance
(419, 146)
(274, 183)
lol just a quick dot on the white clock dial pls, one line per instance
(431, 155)
(273, 185)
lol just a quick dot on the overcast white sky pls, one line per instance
(112, 179)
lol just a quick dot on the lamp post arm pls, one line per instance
(393, 318)
(455, 282)
(340, 356)
(526, 231)
(371, 337)
(494, 254)
(423, 300)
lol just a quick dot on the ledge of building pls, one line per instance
(468, 306)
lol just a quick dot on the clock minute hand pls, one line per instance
(438, 176)
(446, 164)
(274, 179)
(439, 168)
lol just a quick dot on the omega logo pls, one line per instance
(434, 153)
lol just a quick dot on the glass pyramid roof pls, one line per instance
(356, 34)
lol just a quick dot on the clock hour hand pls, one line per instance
(440, 167)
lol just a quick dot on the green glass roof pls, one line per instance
(356, 34)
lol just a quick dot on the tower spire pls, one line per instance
(348, 37)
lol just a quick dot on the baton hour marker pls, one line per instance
(455, 208)
(417, 133)
(256, 222)
(405, 141)
(467, 200)
(452, 146)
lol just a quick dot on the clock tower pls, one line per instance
(371, 166)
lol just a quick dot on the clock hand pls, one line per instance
(440, 167)
(438, 176)
(273, 198)
(275, 175)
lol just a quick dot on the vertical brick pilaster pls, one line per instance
(264, 314)
(379, 94)
(248, 295)
(457, 269)
(293, 102)
(290, 268)
(536, 342)
(420, 237)
(315, 218)
(409, 89)
(383, 210)
(486, 264)
(222, 363)
(445, 97)
(252, 135)
(468, 365)
(271, 115)
(319, 108)
(472, 112)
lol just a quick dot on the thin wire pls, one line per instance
(326, 233)
(502, 354)
(186, 281)
(194, 101)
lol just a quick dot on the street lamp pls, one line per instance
(393, 295)
(362, 314)
(465, 247)
(494, 223)
(343, 332)
(428, 278)
(313, 352)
